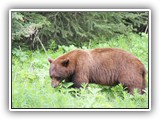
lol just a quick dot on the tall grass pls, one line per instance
(31, 87)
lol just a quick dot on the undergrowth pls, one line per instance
(31, 86)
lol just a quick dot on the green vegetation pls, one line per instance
(31, 87)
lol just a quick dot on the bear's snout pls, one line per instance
(54, 83)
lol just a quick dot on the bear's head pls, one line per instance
(59, 70)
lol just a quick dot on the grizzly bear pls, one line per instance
(104, 66)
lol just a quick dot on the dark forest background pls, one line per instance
(34, 30)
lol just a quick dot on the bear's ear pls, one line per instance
(65, 62)
(50, 60)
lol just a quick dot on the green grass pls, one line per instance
(31, 87)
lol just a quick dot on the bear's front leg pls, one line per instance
(79, 79)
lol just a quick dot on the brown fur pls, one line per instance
(105, 66)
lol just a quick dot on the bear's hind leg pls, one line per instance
(131, 89)
(132, 83)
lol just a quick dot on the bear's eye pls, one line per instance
(58, 78)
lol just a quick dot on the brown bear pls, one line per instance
(105, 66)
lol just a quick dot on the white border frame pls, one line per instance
(54, 109)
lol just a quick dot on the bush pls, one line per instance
(32, 29)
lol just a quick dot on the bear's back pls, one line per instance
(111, 54)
